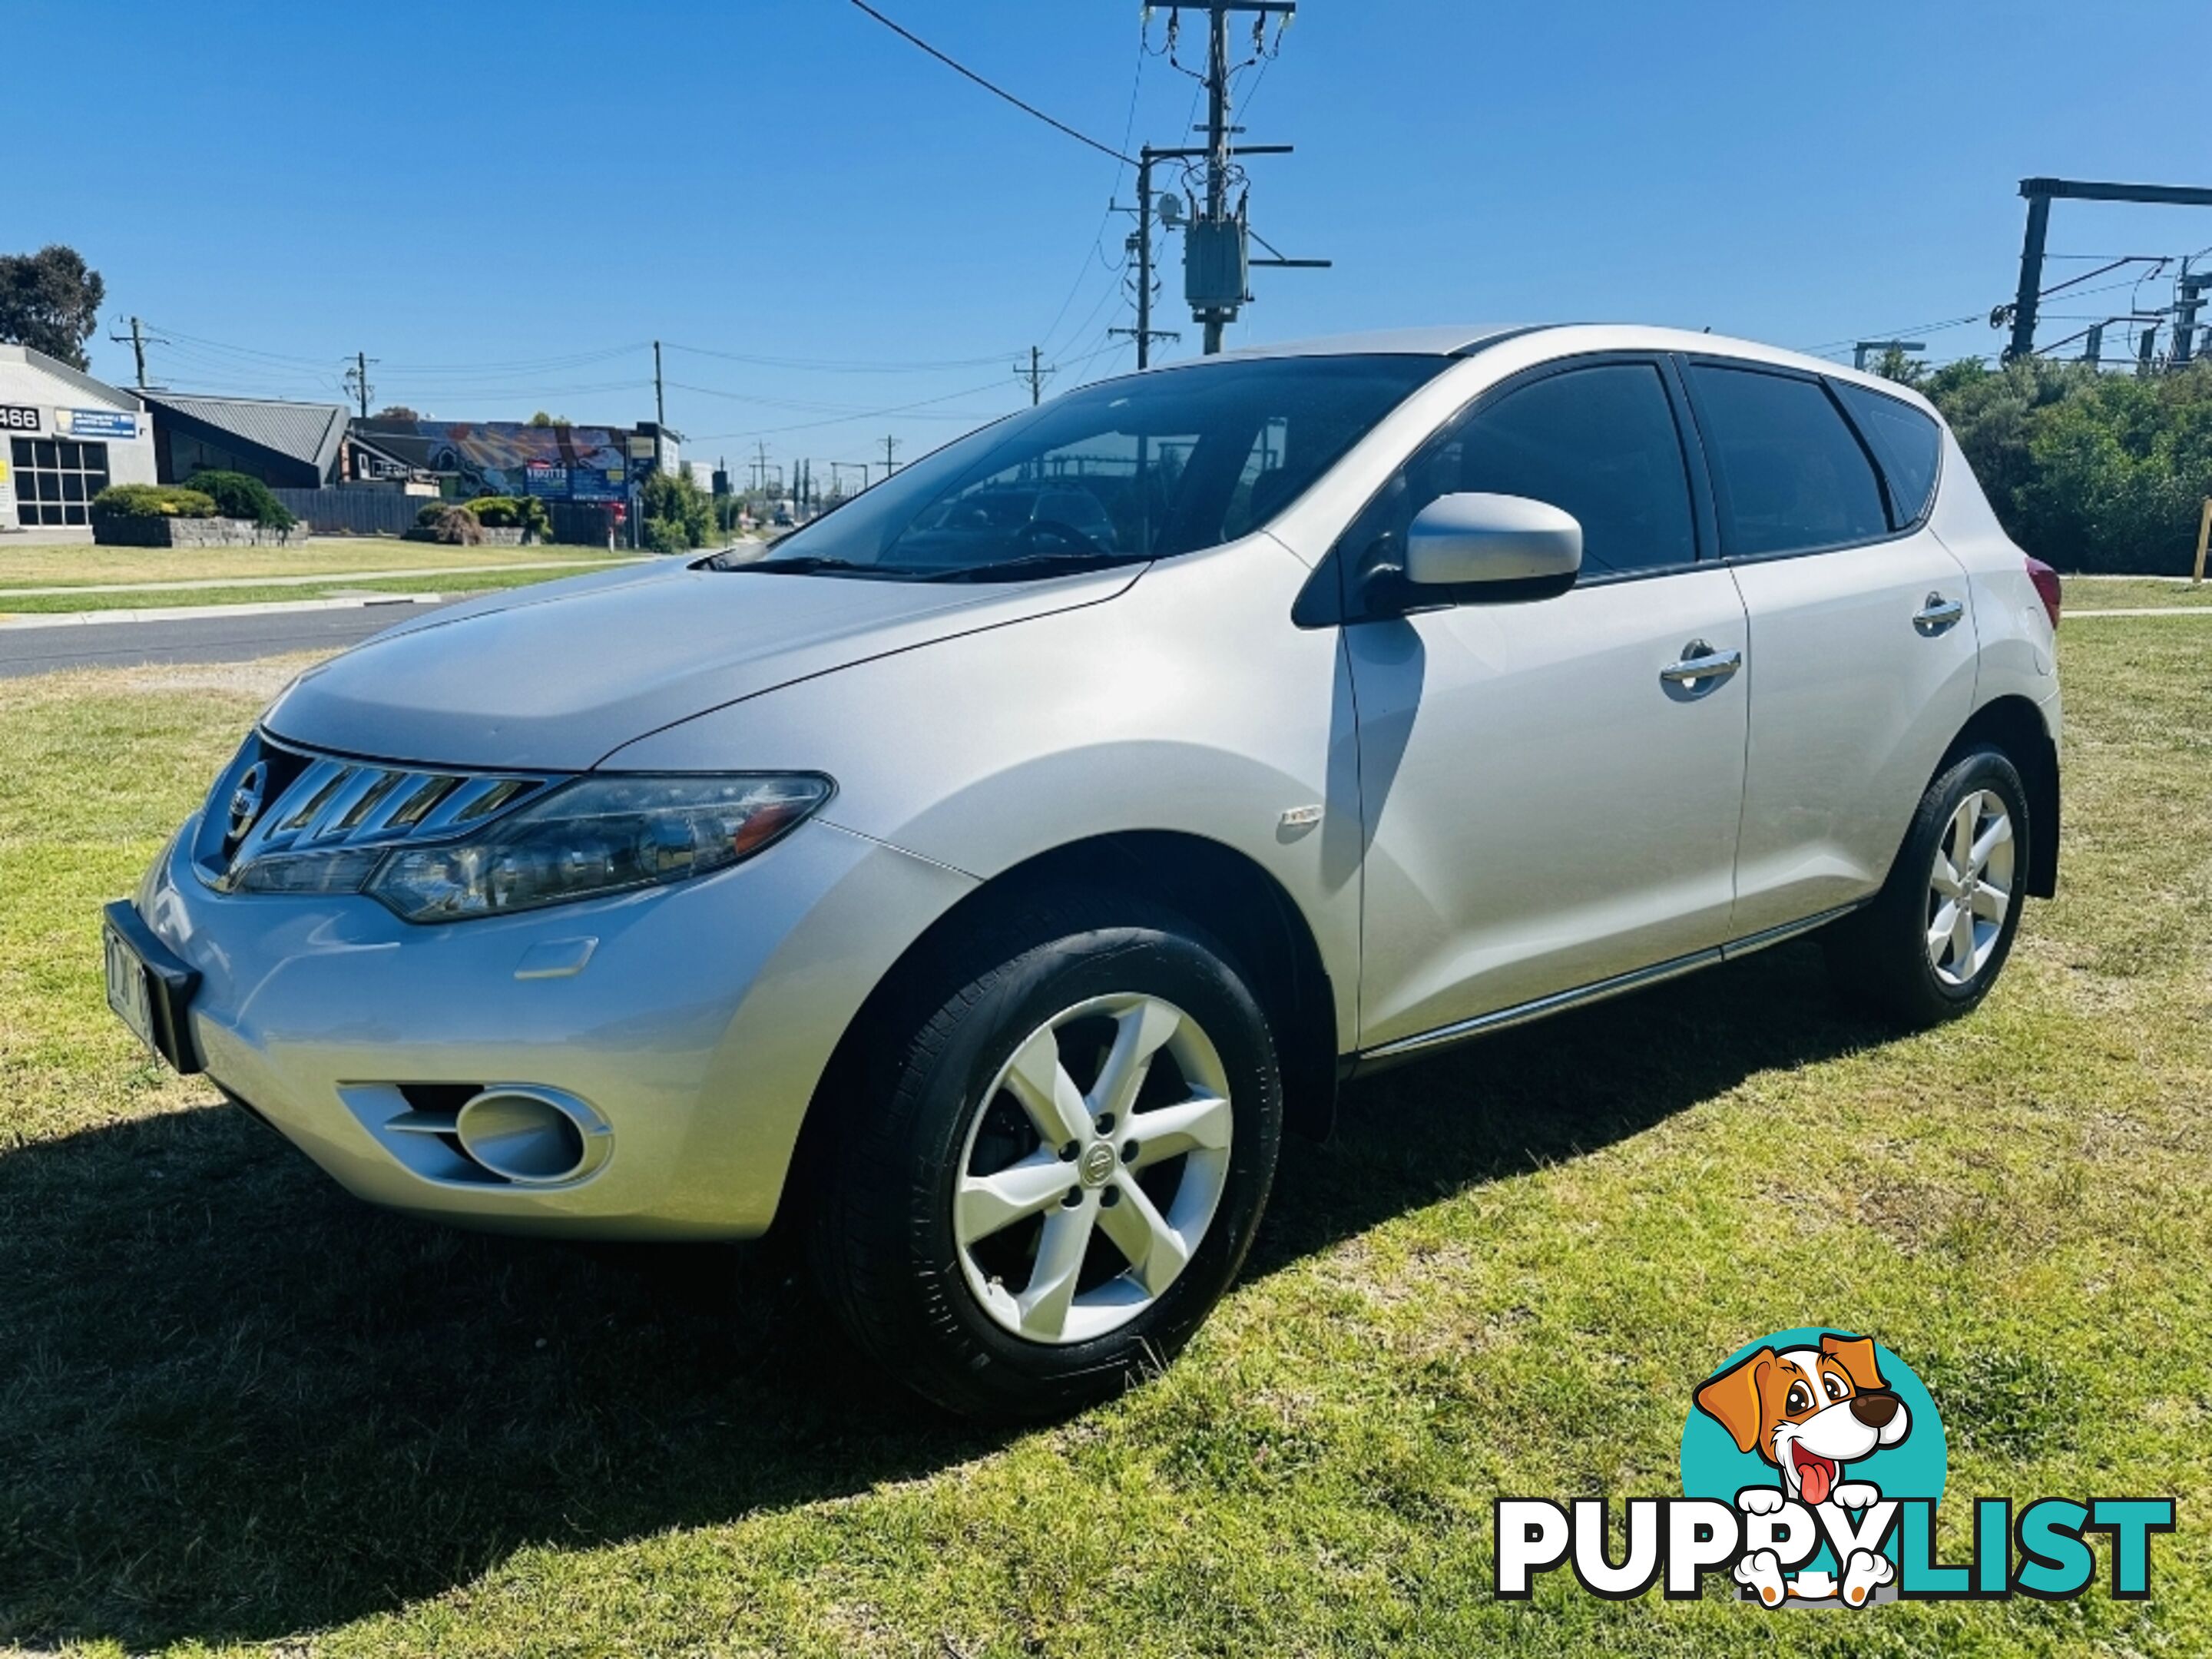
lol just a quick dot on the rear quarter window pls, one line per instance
(1909, 446)
(1793, 475)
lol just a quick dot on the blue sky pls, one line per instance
(503, 202)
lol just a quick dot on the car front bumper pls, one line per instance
(694, 1021)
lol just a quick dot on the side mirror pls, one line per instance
(1472, 538)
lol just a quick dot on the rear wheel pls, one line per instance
(1931, 945)
(1051, 1166)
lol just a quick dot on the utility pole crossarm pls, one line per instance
(1860, 348)
(2091, 190)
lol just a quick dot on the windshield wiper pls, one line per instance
(806, 564)
(1037, 564)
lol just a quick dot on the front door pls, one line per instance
(1551, 799)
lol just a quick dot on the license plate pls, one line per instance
(128, 993)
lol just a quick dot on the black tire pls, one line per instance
(1879, 958)
(880, 1235)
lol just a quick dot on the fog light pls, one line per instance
(532, 1136)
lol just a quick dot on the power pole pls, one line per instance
(660, 403)
(138, 344)
(2188, 300)
(1217, 145)
(1140, 248)
(890, 466)
(1035, 375)
(1216, 261)
(760, 465)
(2146, 354)
(2093, 350)
(358, 381)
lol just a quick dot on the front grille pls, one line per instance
(275, 799)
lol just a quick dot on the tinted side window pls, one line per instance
(1599, 442)
(1909, 445)
(1792, 475)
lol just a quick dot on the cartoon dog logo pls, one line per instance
(1809, 1412)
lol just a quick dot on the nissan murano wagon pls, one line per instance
(981, 880)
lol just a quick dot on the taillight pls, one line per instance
(2046, 586)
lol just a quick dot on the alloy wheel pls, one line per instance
(1093, 1166)
(1969, 888)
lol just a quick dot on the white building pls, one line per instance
(68, 437)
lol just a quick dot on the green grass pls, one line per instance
(483, 581)
(52, 564)
(238, 1407)
(2123, 593)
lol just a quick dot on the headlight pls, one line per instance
(594, 836)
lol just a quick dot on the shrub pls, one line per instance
(523, 513)
(666, 536)
(238, 496)
(457, 526)
(120, 502)
(678, 515)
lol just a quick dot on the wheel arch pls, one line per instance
(2015, 724)
(1221, 890)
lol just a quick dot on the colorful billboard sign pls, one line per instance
(508, 457)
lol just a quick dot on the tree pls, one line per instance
(541, 418)
(677, 513)
(49, 301)
(2090, 472)
(397, 412)
(1901, 367)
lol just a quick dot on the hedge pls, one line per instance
(238, 496)
(131, 500)
(495, 513)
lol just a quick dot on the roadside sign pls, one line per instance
(95, 423)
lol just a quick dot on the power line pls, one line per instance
(789, 406)
(837, 365)
(868, 415)
(997, 91)
(1827, 346)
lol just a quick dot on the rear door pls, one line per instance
(1545, 807)
(1859, 626)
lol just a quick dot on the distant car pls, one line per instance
(782, 517)
(983, 879)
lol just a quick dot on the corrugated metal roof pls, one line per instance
(306, 432)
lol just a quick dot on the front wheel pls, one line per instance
(1051, 1167)
(1933, 942)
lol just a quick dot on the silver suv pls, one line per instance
(980, 881)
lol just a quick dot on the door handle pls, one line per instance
(1700, 661)
(1937, 613)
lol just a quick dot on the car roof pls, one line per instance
(1465, 339)
(1437, 340)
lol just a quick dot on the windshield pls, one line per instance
(1129, 469)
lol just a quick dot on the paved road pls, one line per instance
(34, 650)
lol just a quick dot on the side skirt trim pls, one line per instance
(1620, 984)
